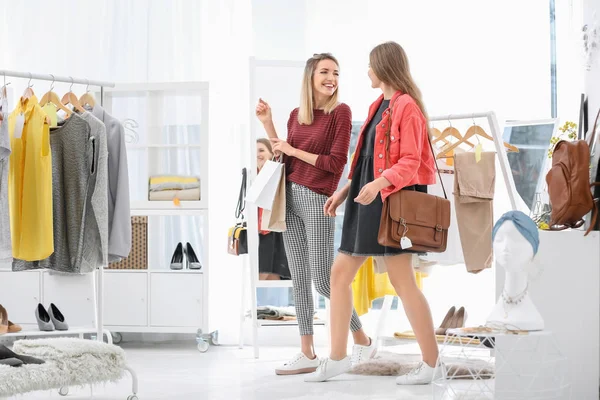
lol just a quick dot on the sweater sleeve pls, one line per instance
(336, 160)
(411, 146)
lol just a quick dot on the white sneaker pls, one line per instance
(300, 364)
(362, 353)
(423, 374)
(329, 368)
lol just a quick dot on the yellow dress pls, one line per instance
(30, 183)
(369, 285)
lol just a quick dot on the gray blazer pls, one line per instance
(119, 214)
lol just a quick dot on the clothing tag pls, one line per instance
(405, 243)
(19, 124)
(176, 201)
(478, 149)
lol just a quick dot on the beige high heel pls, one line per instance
(447, 321)
(3, 321)
(460, 319)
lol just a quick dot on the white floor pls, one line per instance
(179, 371)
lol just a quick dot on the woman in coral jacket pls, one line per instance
(411, 167)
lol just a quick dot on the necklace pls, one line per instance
(506, 299)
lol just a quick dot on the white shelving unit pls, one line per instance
(166, 133)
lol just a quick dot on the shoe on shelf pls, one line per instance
(460, 319)
(3, 320)
(11, 362)
(328, 369)
(6, 353)
(58, 319)
(300, 364)
(14, 328)
(362, 353)
(423, 374)
(43, 319)
(446, 322)
(192, 259)
(177, 259)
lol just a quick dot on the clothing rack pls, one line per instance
(492, 120)
(99, 276)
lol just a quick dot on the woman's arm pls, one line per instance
(270, 129)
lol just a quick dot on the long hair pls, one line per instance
(307, 98)
(267, 143)
(390, 64)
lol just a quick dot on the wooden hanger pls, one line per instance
(52, 97)
(70, 98)
(474, 130)
(87, 98)
(452, 132)
(436, 133)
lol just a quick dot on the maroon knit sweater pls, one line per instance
(328, 137)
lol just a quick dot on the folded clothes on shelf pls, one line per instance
(271, 312)
(170, 187)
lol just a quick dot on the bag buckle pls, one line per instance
(438, 228)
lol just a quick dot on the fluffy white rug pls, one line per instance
(394, 364)
(69, 362)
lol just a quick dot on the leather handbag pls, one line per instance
(412, 220)
(237, 237)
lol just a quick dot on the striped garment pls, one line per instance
(329, 137)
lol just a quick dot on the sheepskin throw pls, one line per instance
(69, 362)
(393, 364)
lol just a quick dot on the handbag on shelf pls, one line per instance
(237, 237)
(413, 220)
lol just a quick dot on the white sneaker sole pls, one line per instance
(300, 371)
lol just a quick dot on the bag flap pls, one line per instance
(421, 209)
(235, 231)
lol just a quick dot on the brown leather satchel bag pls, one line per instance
(414, 220)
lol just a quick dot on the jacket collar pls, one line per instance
(377, 103)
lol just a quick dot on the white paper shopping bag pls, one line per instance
(263, 189)
(274, 220)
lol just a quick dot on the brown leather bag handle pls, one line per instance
(387, 149)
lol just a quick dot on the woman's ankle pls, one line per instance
(361, 338)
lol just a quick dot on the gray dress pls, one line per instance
(5, 240)
(74, 161)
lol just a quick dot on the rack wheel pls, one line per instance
(117, 338)
(133, 397)
(63, 391)
(214, 338)
(203, 346)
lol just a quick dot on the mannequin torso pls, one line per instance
(515, 309)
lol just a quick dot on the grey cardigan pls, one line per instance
(119, 214)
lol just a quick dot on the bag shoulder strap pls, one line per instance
(241, 205)
(387, 150)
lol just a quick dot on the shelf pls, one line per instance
(36, 333)
(274, 284)
(266, 322)
(156, 271)
(153, 208)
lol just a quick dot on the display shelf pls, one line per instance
(156, 271)
(32, 332)
(393, 341)
(168, 208)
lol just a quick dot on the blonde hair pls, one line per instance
(307, 98)
(390, 64)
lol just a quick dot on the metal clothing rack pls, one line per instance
(99, 281)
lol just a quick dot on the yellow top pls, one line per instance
(157, 180)
(50, 110)
(30, 183)
(369, 285)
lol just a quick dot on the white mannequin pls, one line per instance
(515, 309)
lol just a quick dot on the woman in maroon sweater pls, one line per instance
(316, 152)
(397, 117)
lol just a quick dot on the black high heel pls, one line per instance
(192, 259)
(177, 259)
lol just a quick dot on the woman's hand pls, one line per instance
(334, 202)
(369, 192)
(263, 111)
(281, 146)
